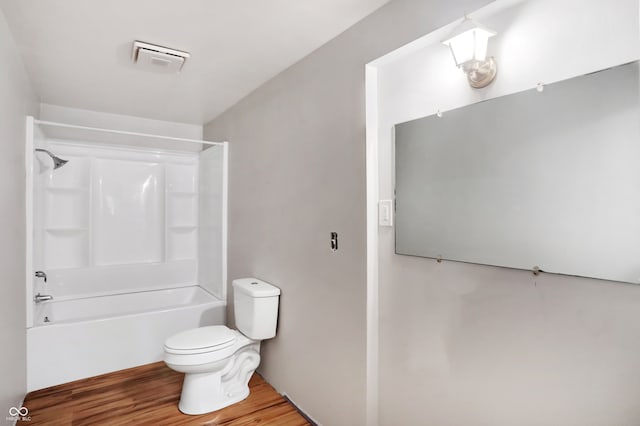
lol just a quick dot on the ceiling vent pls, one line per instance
(154, 58)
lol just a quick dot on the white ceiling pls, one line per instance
(78, 52)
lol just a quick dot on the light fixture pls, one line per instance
(468, 44)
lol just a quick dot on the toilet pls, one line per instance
(218, 361)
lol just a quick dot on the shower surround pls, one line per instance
(132, 242)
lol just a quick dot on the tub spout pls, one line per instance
(39, 298)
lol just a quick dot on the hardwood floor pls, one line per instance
(149, 395)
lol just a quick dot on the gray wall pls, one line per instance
(16, 101)
(493, 346)
(464, 344)
(297, 172)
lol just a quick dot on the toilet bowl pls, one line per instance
(218, 361)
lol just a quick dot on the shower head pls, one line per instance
(57, 161)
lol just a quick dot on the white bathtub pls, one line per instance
(74, 339)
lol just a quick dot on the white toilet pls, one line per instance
(217, 361)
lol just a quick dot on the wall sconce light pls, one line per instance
(468, 44)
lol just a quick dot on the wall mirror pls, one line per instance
(538, 178)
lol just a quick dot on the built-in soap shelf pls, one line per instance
(66, 190)
(182, 220)
(64, 230)
(182, 193)
(66, 224)
(66, 248)
(182, 243)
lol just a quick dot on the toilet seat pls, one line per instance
(200, 340)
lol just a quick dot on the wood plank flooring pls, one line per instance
(149, 395)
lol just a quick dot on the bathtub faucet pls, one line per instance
(39, 298)
(41, 274)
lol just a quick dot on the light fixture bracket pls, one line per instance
(481, 73)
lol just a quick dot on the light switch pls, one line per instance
(385, 213)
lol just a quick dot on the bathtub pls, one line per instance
(79, 338)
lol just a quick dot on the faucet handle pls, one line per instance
(41, 274)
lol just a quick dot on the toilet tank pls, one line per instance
(255, 304)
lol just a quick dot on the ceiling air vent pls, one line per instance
(150, 57)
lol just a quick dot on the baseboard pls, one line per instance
(302, 413)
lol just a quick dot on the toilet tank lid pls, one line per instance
(255, 287)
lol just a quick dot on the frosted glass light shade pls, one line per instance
(468, 42)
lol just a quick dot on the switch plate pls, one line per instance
(334, 241)
(385, 213)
